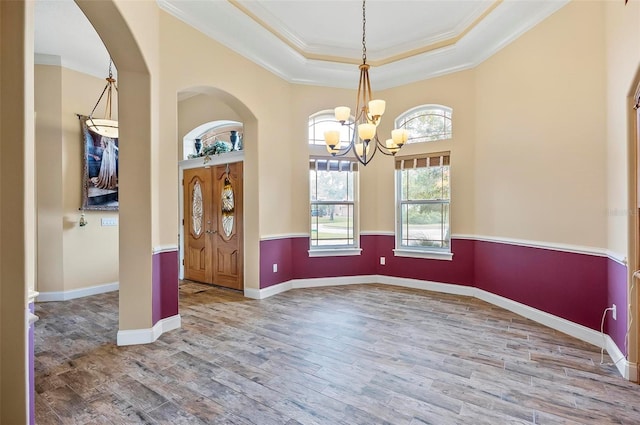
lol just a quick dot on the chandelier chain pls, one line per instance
(364, 43)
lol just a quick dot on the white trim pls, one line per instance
(77, 293)
(164, 248)
(31, 296)
(333, 281)
(378, 233)
(44, 59)
(577, 249)
(223, 158)
(284, 236)
(627, 370)
(426, 285)
(617, 257)
(334, 252)
(260, 294)
(563, 325)
(432, 255)
(621, 363)
(146, 336)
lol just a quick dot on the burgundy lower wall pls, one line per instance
(575, 287)
(617, 294)
(458, 271)
(164, 285)
(32, 370)
(305, 267)
(275, 251)
(568, 285)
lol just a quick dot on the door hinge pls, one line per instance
(183, 262)
(183, 182)
(183, 221)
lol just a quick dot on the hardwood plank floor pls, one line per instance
(357, 354)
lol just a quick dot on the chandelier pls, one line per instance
(364, 141)
(105, 127)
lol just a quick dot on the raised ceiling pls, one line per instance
(320, 41)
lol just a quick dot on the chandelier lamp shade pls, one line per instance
(106, 126)
(364, 142)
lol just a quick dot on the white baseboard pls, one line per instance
(558, 323)
(77, 293)
(260, 294)
(334, 281)
(447, 288)
(621, 363)
(146, 336)
(627, 370)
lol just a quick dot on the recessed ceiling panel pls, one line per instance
(334, 27)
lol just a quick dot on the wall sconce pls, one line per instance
(83, 221)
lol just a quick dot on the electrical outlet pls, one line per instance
(383, 261)
(275, 267)
(614, 312)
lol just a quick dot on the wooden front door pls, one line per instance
(213, 225)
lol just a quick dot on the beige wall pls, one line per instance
(49, 187)
(260, 100)
(198, 110)
(90, 252)
(69, 256)
(540, 157)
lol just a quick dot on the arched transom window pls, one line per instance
(426, 123)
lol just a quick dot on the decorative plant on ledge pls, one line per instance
(214, 149)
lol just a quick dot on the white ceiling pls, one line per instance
(320, 41)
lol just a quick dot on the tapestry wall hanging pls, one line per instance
(100, 170)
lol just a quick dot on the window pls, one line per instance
(426, 123)
(333, 209)
(323, 121)
(422, 202)
(333, 192)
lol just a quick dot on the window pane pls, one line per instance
(430, 183)
(427, 123)
(332, 224)
(313, 185)
(333, 185)
(425, 225)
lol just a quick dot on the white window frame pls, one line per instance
(319, 151)
(428, 252)
(429, 109)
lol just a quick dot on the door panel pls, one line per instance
(197, 214)
(229, 237)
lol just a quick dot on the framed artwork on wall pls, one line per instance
(100, 169)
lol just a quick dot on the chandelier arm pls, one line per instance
(99, 99)
(384, 149)
(107, 107)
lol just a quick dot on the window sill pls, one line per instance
(334, 252)
(432, 255)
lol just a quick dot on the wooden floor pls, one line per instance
(360, 354)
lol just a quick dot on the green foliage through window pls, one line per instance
(426, 123)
